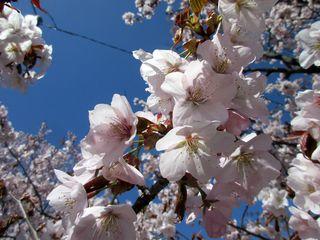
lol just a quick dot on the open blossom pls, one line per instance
(199, 94)
(114, 222)
(251, 165)
(223, 197)
(304, 179)
(112, 130)
(248, 101)
(248, 12)
(70, 197)
(153, 70)
(24, 56)
(307, 227)
(308, 118)
(310, 40)
(223, 57)
(84, 170)
(189, 149)
(240, 36)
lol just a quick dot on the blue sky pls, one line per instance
(84, 74)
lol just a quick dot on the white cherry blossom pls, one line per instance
(114, 222)
(310, 40)
(70, 197)
(190, 149)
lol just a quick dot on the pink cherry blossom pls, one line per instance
(125, 172)
(250, 163)
(112, 130)
(153, 70)
(304, 224)
(304, 179)
(223, 56)
(248, 99)
(236, 123)
(199, 94)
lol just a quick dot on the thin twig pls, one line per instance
(25, 216)
(55, 27)
(89, 39)
(244, 215)
(248, 232)
(25, 173)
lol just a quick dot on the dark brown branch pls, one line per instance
(286, 71)
(248, 232)
(147, 197)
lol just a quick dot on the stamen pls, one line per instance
(196, 96)
(107, 226)
(192, 143)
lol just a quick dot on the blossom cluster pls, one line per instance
(199, 112)
(285, 20)
(24, 55)
(310, 41)
(304, 173)
(26, 165)
(146, 9)
(210, 141)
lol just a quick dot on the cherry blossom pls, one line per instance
(112, 129)
(111, 222)
(223, 197)
(304, 180)
(236, 123)
(188, 149)
(248, 12)
(153, 70)
(125, 172)
(274, 200)
(199, 94)
(69, 197)
(24, 55)
(310, 41)
(230, 121)
(248, 100)
(240, 36)
(249, 162)
(304, 224)
(223, 56)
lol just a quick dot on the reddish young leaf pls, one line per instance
(37, 4)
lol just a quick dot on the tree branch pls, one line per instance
(248, 232)
(147, 197)
(286, 71)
